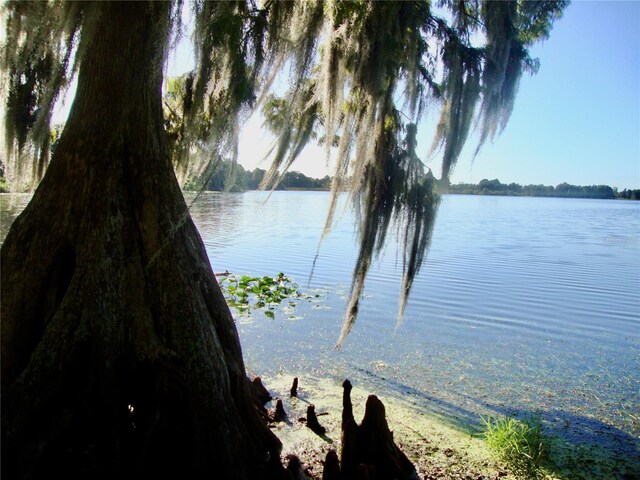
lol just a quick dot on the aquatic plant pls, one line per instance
(245, 293)
(520, 444)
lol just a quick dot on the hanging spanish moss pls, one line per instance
(361, 75)
(461, 90)
(374, 53)
(371, 51)
(37, 58)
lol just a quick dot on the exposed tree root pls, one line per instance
(368, 450)
(294, 468)
(331, 470)
(312, 421)
(279, 415)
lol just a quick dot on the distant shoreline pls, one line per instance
(296, 181)
(487, 193)
(490, 194)
(511, 194)
(563, 190)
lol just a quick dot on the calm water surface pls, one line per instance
(523, 304)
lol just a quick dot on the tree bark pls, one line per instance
(120, 358)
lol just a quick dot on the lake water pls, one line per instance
(523, 304)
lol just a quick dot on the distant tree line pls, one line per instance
(629, 194)
(495, 187)
(222, 176)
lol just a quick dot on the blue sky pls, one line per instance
(578, 119)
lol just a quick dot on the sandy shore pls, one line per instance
(438, 448)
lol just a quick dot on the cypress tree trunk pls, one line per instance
(120, 358)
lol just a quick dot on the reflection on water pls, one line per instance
(523, 304)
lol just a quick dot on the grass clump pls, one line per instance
(520, 444)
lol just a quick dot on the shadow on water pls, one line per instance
(580, 447)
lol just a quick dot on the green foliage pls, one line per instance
(535, 19)
(221, 176)
(299, 181)
(187, 142)
(518, 443)
(246, 293)
(225, 176)
(629, 194)
(294, 121)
